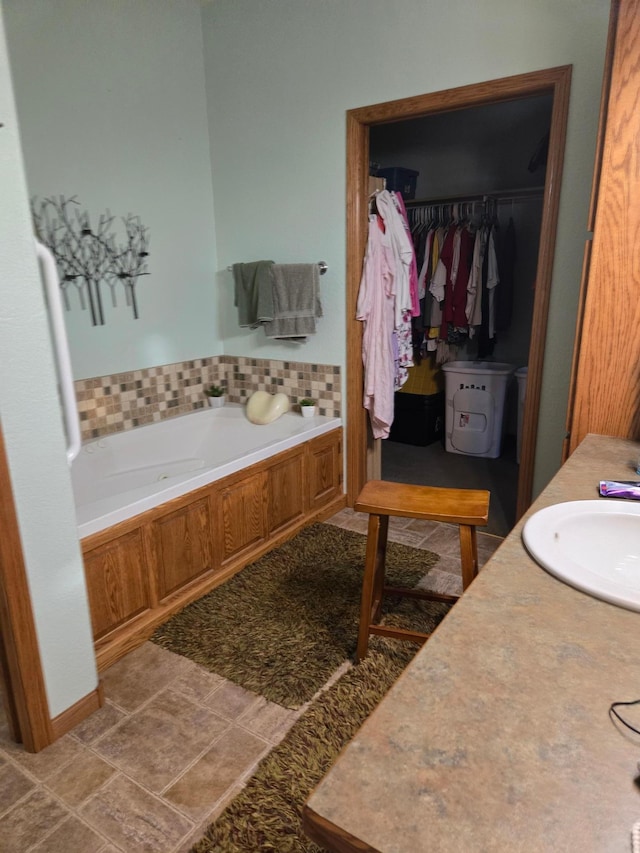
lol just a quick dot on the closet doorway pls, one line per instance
(363, 455)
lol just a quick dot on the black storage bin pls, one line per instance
(401, 180)
(418, 418)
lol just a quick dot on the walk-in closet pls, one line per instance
(481, 167)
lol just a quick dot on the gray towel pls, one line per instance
(253, 293)
(296, 301)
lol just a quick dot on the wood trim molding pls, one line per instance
(79, 711)
(607, 378)
(560, 86)
(327, 834)
(6, 692)
(584, 279)
(31, 722)
(556, 81)
(473, 95)
(604, 104)
(595, 185)
(357, 200)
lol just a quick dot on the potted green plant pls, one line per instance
(215, 395)
(308, 407)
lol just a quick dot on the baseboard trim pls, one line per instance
(83, 708)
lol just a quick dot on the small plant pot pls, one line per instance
(308, 411)
(217, 402)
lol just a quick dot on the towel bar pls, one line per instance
(324, 266)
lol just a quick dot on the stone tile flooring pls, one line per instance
(172, 745)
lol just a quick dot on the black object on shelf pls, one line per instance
(418, 418)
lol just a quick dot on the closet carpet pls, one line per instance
(433, 466)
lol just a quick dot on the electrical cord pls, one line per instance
(614, 713)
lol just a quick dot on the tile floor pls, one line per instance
(171, 746)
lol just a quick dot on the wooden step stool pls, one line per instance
(467, 508)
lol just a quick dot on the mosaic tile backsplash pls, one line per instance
(108, 404)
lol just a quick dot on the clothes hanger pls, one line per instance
(372, 202)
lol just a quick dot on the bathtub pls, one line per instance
(119, 476)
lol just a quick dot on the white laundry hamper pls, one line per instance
(475, 395)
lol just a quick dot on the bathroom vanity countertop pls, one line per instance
(497, 735)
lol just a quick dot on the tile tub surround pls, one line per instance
(108, 404)
(503, 714)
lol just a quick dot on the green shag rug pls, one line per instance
(284, 624)
(267, 814)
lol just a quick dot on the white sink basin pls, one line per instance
(591, 545)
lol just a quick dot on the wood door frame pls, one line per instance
(554, 81)
(574, 435)
(22, 684)
(20, 665)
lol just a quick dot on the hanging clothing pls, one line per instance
(413, 267)
(425, 268)
(403, 252)
(387, 301)
(473, 308)
(404, 351)
(458, 263)
(376, 308)
(465, 278)
(436, 287)
(428, 288)
(506, 253)
(486, 330)
(493, 279)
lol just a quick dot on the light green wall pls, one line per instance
(111, 102)
(119, 107)
(111, 97)
(34, 438)
(280, 77)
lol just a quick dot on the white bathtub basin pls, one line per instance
(592, 545)
(122, 475)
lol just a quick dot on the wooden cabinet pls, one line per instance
(286, 502)
(183, 546)
(148, 567)
(325, 470)
(605, 396)
(117, 582)
(242, 522)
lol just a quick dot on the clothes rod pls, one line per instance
(497, 195)
(324, 266)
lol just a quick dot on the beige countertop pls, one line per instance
(497, 735)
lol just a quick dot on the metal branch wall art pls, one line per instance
(88, 257)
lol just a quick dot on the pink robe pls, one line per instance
(376, 308)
